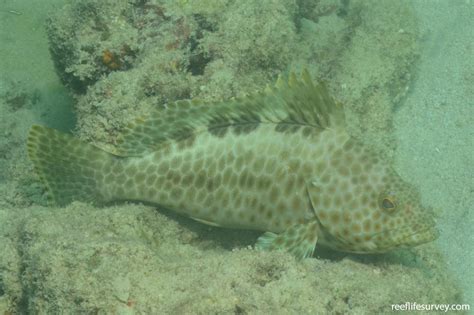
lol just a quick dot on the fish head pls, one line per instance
(404, 221)
(370, 209)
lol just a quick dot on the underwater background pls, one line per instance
(403, 69)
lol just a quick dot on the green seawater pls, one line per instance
(131, 258)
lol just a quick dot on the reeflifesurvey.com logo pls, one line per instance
(413, 306)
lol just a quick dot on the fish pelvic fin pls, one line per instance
(299, 240)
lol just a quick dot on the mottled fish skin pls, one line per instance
(302, 180)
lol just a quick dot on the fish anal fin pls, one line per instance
(206, 222)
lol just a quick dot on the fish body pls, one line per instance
(280, 161)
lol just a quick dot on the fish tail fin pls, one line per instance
(69, 168)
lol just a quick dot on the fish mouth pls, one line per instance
(421, 236)
(418, 235)
(390, 239)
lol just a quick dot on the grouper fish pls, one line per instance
(279, 161)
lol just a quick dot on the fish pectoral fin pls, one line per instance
(299, 240)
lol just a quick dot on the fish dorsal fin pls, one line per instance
(296, 101)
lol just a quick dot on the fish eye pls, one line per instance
(388, 203)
